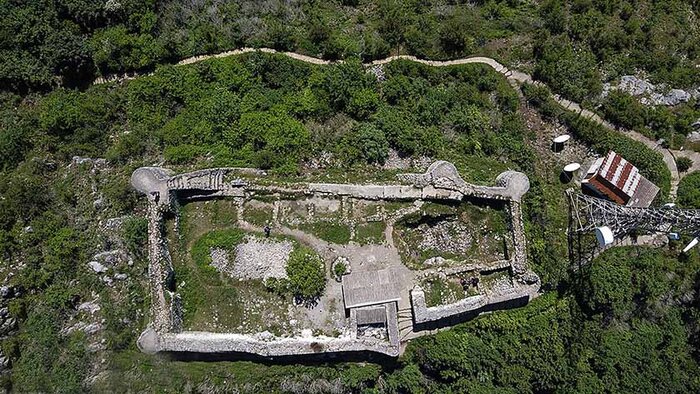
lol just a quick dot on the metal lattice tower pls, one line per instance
(588, 212)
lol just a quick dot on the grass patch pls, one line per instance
(370, 233)
(329, 231)
(133, 371)
(224, 239)
(200, 217)
(441, 292)
(215, 302)
(257, 216)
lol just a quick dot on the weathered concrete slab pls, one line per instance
(370, 288)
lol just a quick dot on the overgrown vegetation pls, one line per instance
(649, 162)
(442, 291)
(689, 191)
(613, 333)
(572, 44)
(469, 231)
(628, 323)
(684, 164)
(670, 124)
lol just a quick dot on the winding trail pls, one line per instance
(515, 77)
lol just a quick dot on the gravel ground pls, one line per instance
(219, 260)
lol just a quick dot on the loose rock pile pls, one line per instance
(258, 258)
(448, 236)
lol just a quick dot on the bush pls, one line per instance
(340, 269)
(306, 273)
(363, 103)
(689, 191)
(182, 154)
(570, 69)
(684, 164)
(365, 143)
(624, 110)
(135, 233)
(272, 140)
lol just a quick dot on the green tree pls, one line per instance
(271, 140)
(689, 191)
(306, 273)
(365, 143)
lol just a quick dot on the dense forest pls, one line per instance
(572, 45)
(626, 322)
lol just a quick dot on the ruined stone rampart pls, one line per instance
(440, 182)
(266, 346)
(423, 314)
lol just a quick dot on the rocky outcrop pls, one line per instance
(651, 94)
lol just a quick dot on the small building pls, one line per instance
(614, 178)
(370, 288)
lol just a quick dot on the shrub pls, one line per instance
(570, 69)
(340, 269)
(689, 191)
(182, 154)
(306, 273)
(135, 233)
(365, 143)
(624, 110)
(275, 140)
(684, 164)
(363, 103)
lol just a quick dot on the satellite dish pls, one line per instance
(571, 167)
(674, 236)
(604, 236)
(561, 139)
(690, 245)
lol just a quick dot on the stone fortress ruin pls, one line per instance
(415, 255)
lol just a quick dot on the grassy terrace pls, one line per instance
(213, 301)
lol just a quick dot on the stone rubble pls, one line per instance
(259, 258)
(90, 307)
(97, 267)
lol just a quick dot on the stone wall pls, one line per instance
(261, 344)
(423, 314)
(440, 182)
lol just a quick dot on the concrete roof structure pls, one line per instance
(370, 288)
(373, 315)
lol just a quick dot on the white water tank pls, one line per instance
(604, 236)
(572, 167)
(561, 139)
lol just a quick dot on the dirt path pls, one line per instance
(514, 77)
